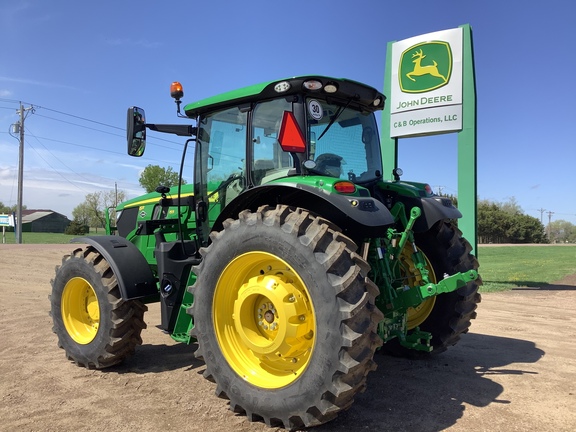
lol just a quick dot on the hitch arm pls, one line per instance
(449, 284)
(414, 296)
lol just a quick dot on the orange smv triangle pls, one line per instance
(290, 136)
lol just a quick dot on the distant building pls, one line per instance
(44, 221)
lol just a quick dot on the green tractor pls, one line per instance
(289, 260)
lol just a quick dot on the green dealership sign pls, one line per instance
(431, 87)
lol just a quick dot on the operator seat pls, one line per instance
(330, 164)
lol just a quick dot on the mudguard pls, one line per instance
(357, 217)
(433, 210)
(135, 278)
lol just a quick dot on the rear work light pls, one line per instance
(331, 87)
(345, 187)
(282, 87)
(312, 85)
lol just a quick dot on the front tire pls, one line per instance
(284, 317)
(95, 327)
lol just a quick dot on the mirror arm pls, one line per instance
(180, 130)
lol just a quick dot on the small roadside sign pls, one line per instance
(6, 220)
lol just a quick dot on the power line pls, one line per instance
(54, 156)
(33, 107)
(112, 133)
(103, 150)
(76, 124)
(81, 118)
(37, 138)
(54, 169)
(63, 113)
(91, 121)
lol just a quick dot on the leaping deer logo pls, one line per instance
(420, 70)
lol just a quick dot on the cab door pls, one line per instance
(220, 164)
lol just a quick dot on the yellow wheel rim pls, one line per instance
(416, 315)
(80, 310)
(264, 320)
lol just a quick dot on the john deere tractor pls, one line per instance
(288, 261)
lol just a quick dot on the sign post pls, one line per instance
(430, 81)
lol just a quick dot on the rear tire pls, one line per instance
(95, 327)
(284, 317)
(446, 316)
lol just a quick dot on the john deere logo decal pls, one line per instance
(425, 66)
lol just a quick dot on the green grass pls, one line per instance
(44, 238)
(506, 267)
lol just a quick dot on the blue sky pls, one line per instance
(82, 64)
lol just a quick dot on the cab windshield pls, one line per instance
(344, 142)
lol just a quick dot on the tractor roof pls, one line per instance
(361, 96)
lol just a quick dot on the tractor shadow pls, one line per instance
(151, 358)
(402, 395)
(533, 286)
(429, 395)
(546, 287)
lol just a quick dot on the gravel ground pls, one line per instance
(514, 371)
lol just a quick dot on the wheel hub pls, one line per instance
(264, 320)
(270, 320)
(80, 310)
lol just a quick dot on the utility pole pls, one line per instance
(550, 213)
(18, 224)
(541, 210)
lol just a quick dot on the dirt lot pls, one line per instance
(515, 371)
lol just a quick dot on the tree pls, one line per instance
(562, 231)
(154, 176)
(92, 211)
(511, 206)
(75, 228)
(505, 223)
(4, 209)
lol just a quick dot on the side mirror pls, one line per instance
(136, 131)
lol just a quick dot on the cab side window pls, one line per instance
(222, 137)
(269, 161)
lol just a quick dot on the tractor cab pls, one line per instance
(300, 126)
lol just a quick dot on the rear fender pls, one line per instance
(433, 210)
(135, 278)
(357, 217)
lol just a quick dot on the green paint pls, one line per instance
(406, 188)
(388, 145)
(467, 177)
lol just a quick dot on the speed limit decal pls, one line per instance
(315, 109)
